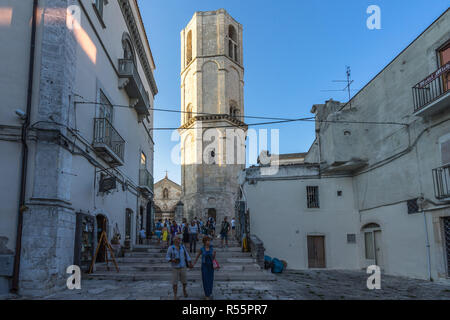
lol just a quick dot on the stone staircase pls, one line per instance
(147, 262)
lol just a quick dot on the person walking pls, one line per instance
(142, 236)
(225, 228)
(179, 258)
(193, 236)
(208, 255)
(185, 232)
(158, 229)
(233, 227)
(165, 235)
(174, 230)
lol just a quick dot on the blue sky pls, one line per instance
(293, 49)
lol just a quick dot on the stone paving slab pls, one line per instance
(298, 285)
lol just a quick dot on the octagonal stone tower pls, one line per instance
(212, 129)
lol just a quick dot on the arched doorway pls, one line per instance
(128, 226)
(139, 224)
(150, 221)
(372, 244)
(102, 225)
(212, 213)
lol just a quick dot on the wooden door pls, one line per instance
(377, 245)
(316, 251)
(444, 57)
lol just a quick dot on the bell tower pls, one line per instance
(212, 129)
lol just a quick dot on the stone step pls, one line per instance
(225, 254)
(136, 268)
(192, 275)
(161, 259)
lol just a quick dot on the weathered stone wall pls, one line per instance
(211, 83)
(49, 223)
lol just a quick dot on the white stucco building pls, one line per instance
(79, 157)
(374, 188)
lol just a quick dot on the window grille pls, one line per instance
(312, 196)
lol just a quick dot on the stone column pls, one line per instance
(179, 212)
(49, 222)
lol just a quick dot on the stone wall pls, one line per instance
(257, 249)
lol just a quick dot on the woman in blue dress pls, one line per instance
(208, 255)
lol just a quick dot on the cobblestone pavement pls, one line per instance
(298, 285)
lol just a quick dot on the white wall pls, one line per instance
(280, 218)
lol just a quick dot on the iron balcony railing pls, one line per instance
(134, 87)
(145, 179)
(431, 88)
(441, 180)
(104, 133)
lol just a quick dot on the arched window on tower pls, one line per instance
(232, 44)
(234, 110)
(188, 113)
(189, 47)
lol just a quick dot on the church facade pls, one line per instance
(167, 196)
(212, 125)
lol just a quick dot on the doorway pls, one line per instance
(128, 222)
(447, 242)
(316, 251)
(101, 226)
(212, 213)
(372, 244)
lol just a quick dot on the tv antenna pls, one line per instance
(349, 82)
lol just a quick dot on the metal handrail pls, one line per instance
(105, 133)
(127, 68)
(145, 179)
(431, 88)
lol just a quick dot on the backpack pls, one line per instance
(277, 266)
(267, 262)
(225, 227)
(185, 234)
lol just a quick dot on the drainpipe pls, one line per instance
(23, 175)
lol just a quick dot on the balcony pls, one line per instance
(432, 94)
(145, 181)
(130, 80)
(441, 180)
(108, 142)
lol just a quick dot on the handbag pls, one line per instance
(216, 265)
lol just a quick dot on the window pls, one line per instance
(188, 113)
(166, 193)
(127, 51)
(234, 110)
(99, 9)
(444, 58)
(99, 6)
(413, 206)
(351, 238)
(189, 48)
(105, 108)
(312, 196)
(143, 161)
(445, 152)
(232, 44)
